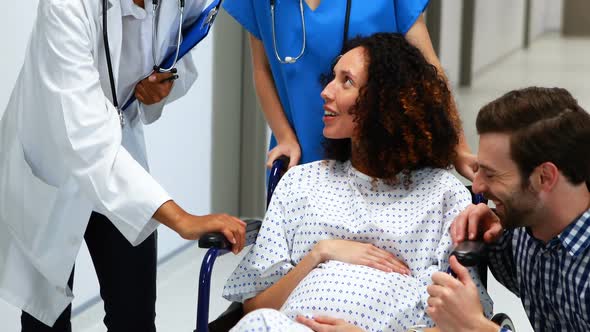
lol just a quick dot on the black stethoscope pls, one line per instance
(155, 17)
(289, 59)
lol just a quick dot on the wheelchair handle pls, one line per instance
(279, 166)
(218, 240)
(469, 253)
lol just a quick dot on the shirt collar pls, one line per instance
(575, 238)
(129, 8)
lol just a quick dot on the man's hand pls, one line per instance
(474, 221)
(155, 88)
(359, 253)
(327, 324)
(454, 303)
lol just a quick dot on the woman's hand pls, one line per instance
(466, 164)
(289, 148)
(361, 254)
(328, 324)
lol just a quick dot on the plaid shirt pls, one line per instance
(553, 279)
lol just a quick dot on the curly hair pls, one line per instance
(403, 115)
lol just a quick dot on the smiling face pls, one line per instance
(340, 95)
(499, 179)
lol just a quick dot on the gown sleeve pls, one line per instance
(244, 12)
(407, 12)
(270, 257)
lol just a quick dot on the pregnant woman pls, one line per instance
(357, 236)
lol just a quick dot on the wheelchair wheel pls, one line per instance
(504, 321)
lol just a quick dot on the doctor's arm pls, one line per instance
(159, 89)
(287, 143)
(191, 227)
(466, 162)
(83, 125)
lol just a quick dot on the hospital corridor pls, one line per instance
(209, 148)
(551, 60)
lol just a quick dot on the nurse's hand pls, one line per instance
(290, 149)
(466, 164)
(360, 253)
(155, 88)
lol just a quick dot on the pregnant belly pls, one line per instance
(369, 298)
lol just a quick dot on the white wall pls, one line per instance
(450, 38)
(546, 16)
(553, 15)
(179, 146)
(499, 30)
(21, 17)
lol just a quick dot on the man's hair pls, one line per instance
(545, 125)
(404, 115)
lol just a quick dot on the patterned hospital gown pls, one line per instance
(332, 200)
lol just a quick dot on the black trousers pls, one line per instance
(127, 278)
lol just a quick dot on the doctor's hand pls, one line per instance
(191, 227)
(454, 303)
(232, 228)
(359, 253)
(154, 88)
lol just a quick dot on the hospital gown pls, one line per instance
(333, 200)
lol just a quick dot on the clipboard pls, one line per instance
(191, 36)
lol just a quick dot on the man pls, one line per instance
(71, 170)
(534, 164)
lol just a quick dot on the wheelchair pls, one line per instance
(469, 254)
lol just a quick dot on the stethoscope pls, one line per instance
(155, 16)
(289, 59)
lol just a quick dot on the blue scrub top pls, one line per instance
(298, 85)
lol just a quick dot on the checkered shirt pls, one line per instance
(552, 279)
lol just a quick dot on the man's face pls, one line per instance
(498, 178)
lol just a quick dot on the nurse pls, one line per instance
(69, 171)
(311, 33)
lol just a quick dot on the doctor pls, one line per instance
(70, 172)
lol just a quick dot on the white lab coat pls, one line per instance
(63, 153)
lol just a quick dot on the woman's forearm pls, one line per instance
(276, 295)
(267, 93)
